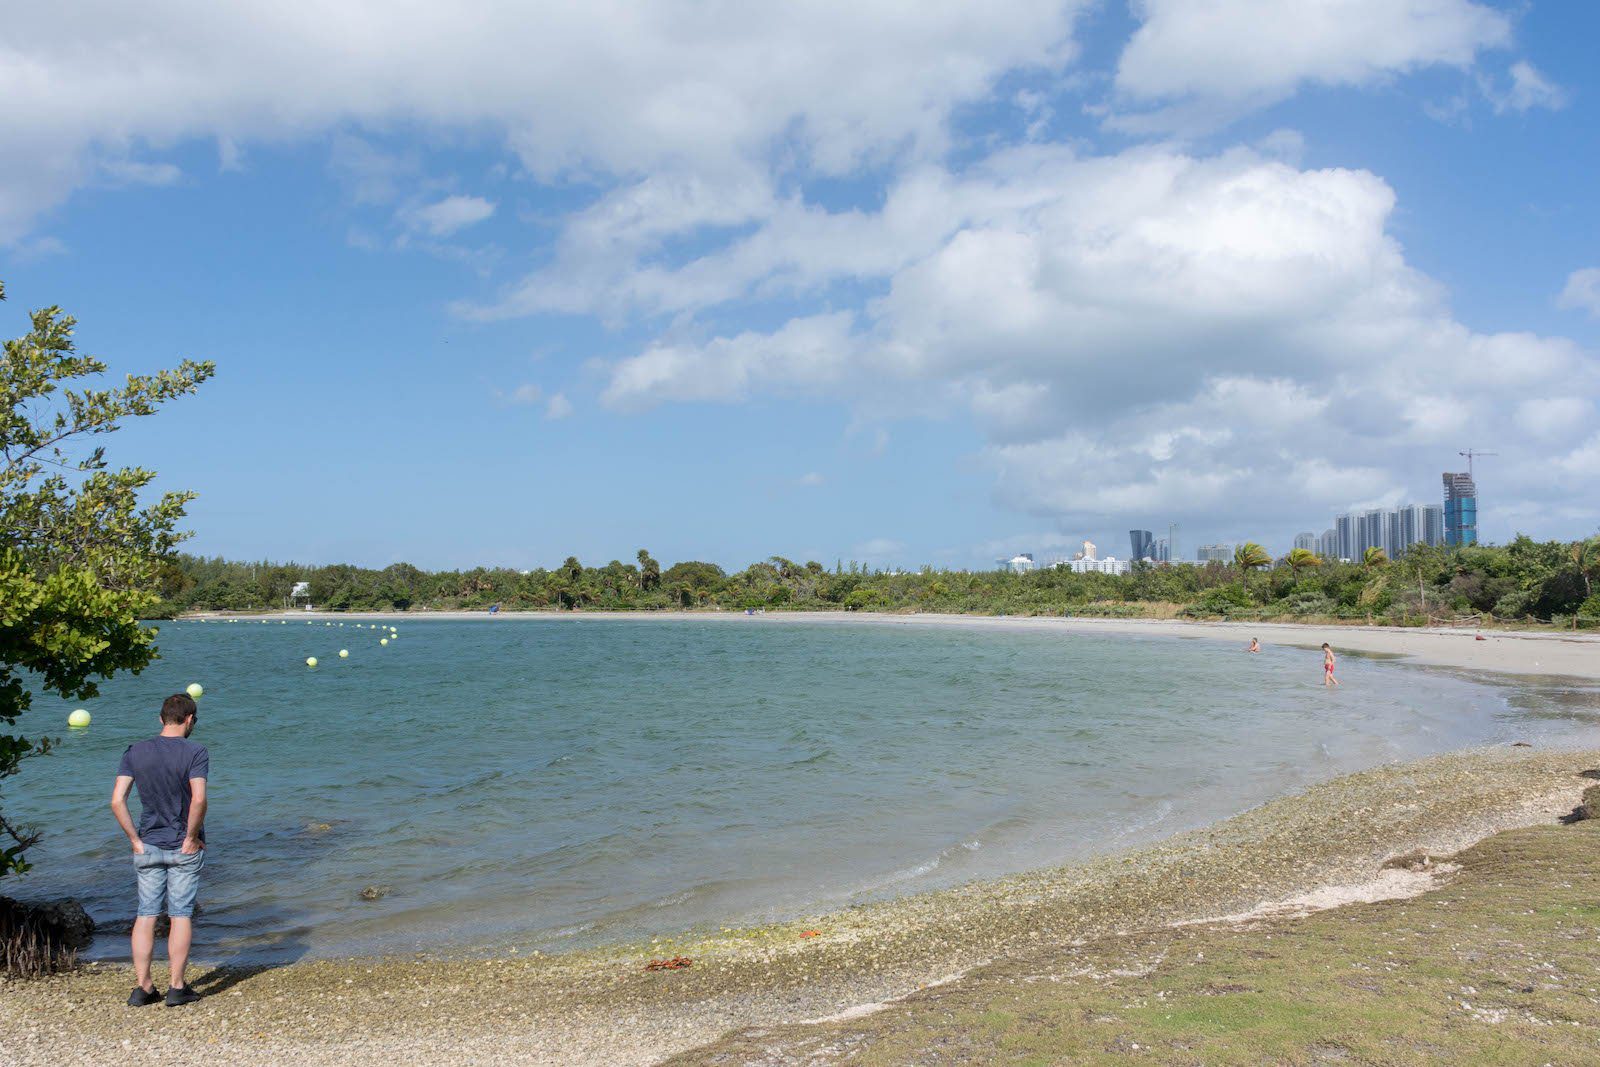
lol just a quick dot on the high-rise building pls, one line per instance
(1374, 532)
(1307, 541)
(1460, 509)
(1163, 550)
(1218, 553)
(1392, 529)
(1144, 545)
(1345, 525)
(1021, 563)
(1431, 524)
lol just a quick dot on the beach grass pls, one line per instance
(1501, 965)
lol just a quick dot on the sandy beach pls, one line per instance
(1322, 848)
(1520, 652)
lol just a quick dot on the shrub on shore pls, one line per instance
(1524, 581)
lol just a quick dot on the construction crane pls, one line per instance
(1470, 453)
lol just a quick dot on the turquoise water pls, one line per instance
(554, 783)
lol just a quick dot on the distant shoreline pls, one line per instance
(1523, 653)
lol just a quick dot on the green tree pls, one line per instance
(1299, 559)
(80, 560)
(649, 571)
(1249, 557)
(1586, 561)
(1374, 558)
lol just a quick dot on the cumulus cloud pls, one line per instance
(606, 88)
(558, 407)
(1151, 334)
(1212, 59)
(443, 218)
(1155, 334)
(1529, 89)
(1582, 291)
(806, 353)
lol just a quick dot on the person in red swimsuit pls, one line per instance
(1327, 666)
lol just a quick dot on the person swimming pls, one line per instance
(1255, 646)
(1328, 660)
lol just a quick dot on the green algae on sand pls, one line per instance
(1501, 964)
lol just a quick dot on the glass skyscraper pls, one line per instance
(1460, 509)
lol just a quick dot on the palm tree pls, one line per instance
(1248, 557)
(1300, 558)
(1586, 558)
(1374, 557)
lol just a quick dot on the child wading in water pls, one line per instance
(1327, 665)
(1255, 646)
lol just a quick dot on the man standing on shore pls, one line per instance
(169, 846)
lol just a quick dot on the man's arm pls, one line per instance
(119, 808)
(197, 817)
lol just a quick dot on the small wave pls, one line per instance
(924, 868)
(1155, 818)
(825, 754)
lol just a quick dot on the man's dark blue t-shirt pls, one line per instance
(161, 768)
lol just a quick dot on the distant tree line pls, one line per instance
(1526, 580)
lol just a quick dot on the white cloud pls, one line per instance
(445, 217)
(878, 549)
(526, 393)
(558, 407)
(1152, 334)
(1582, 291)
(1529, 89)
(1554, 417)
(230, 157)
(805, 353)
(810, 480)
(1208, 59)
(134, 172)
(601, 89)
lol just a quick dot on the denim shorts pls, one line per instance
(167, 876)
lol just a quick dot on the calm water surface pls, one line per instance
(554, 783)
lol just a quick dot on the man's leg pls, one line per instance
(144, 946)
(178, 949)
(183, 884)
(152, 878)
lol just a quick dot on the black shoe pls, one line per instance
(140, 997)
(181, 994)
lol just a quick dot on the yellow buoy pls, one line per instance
(344, 653)
(79, 718)
(311, 661)
(383, 641)
(195, 690)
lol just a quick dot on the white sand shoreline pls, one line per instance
(1525, 653)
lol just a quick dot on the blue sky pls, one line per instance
(830, 281)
